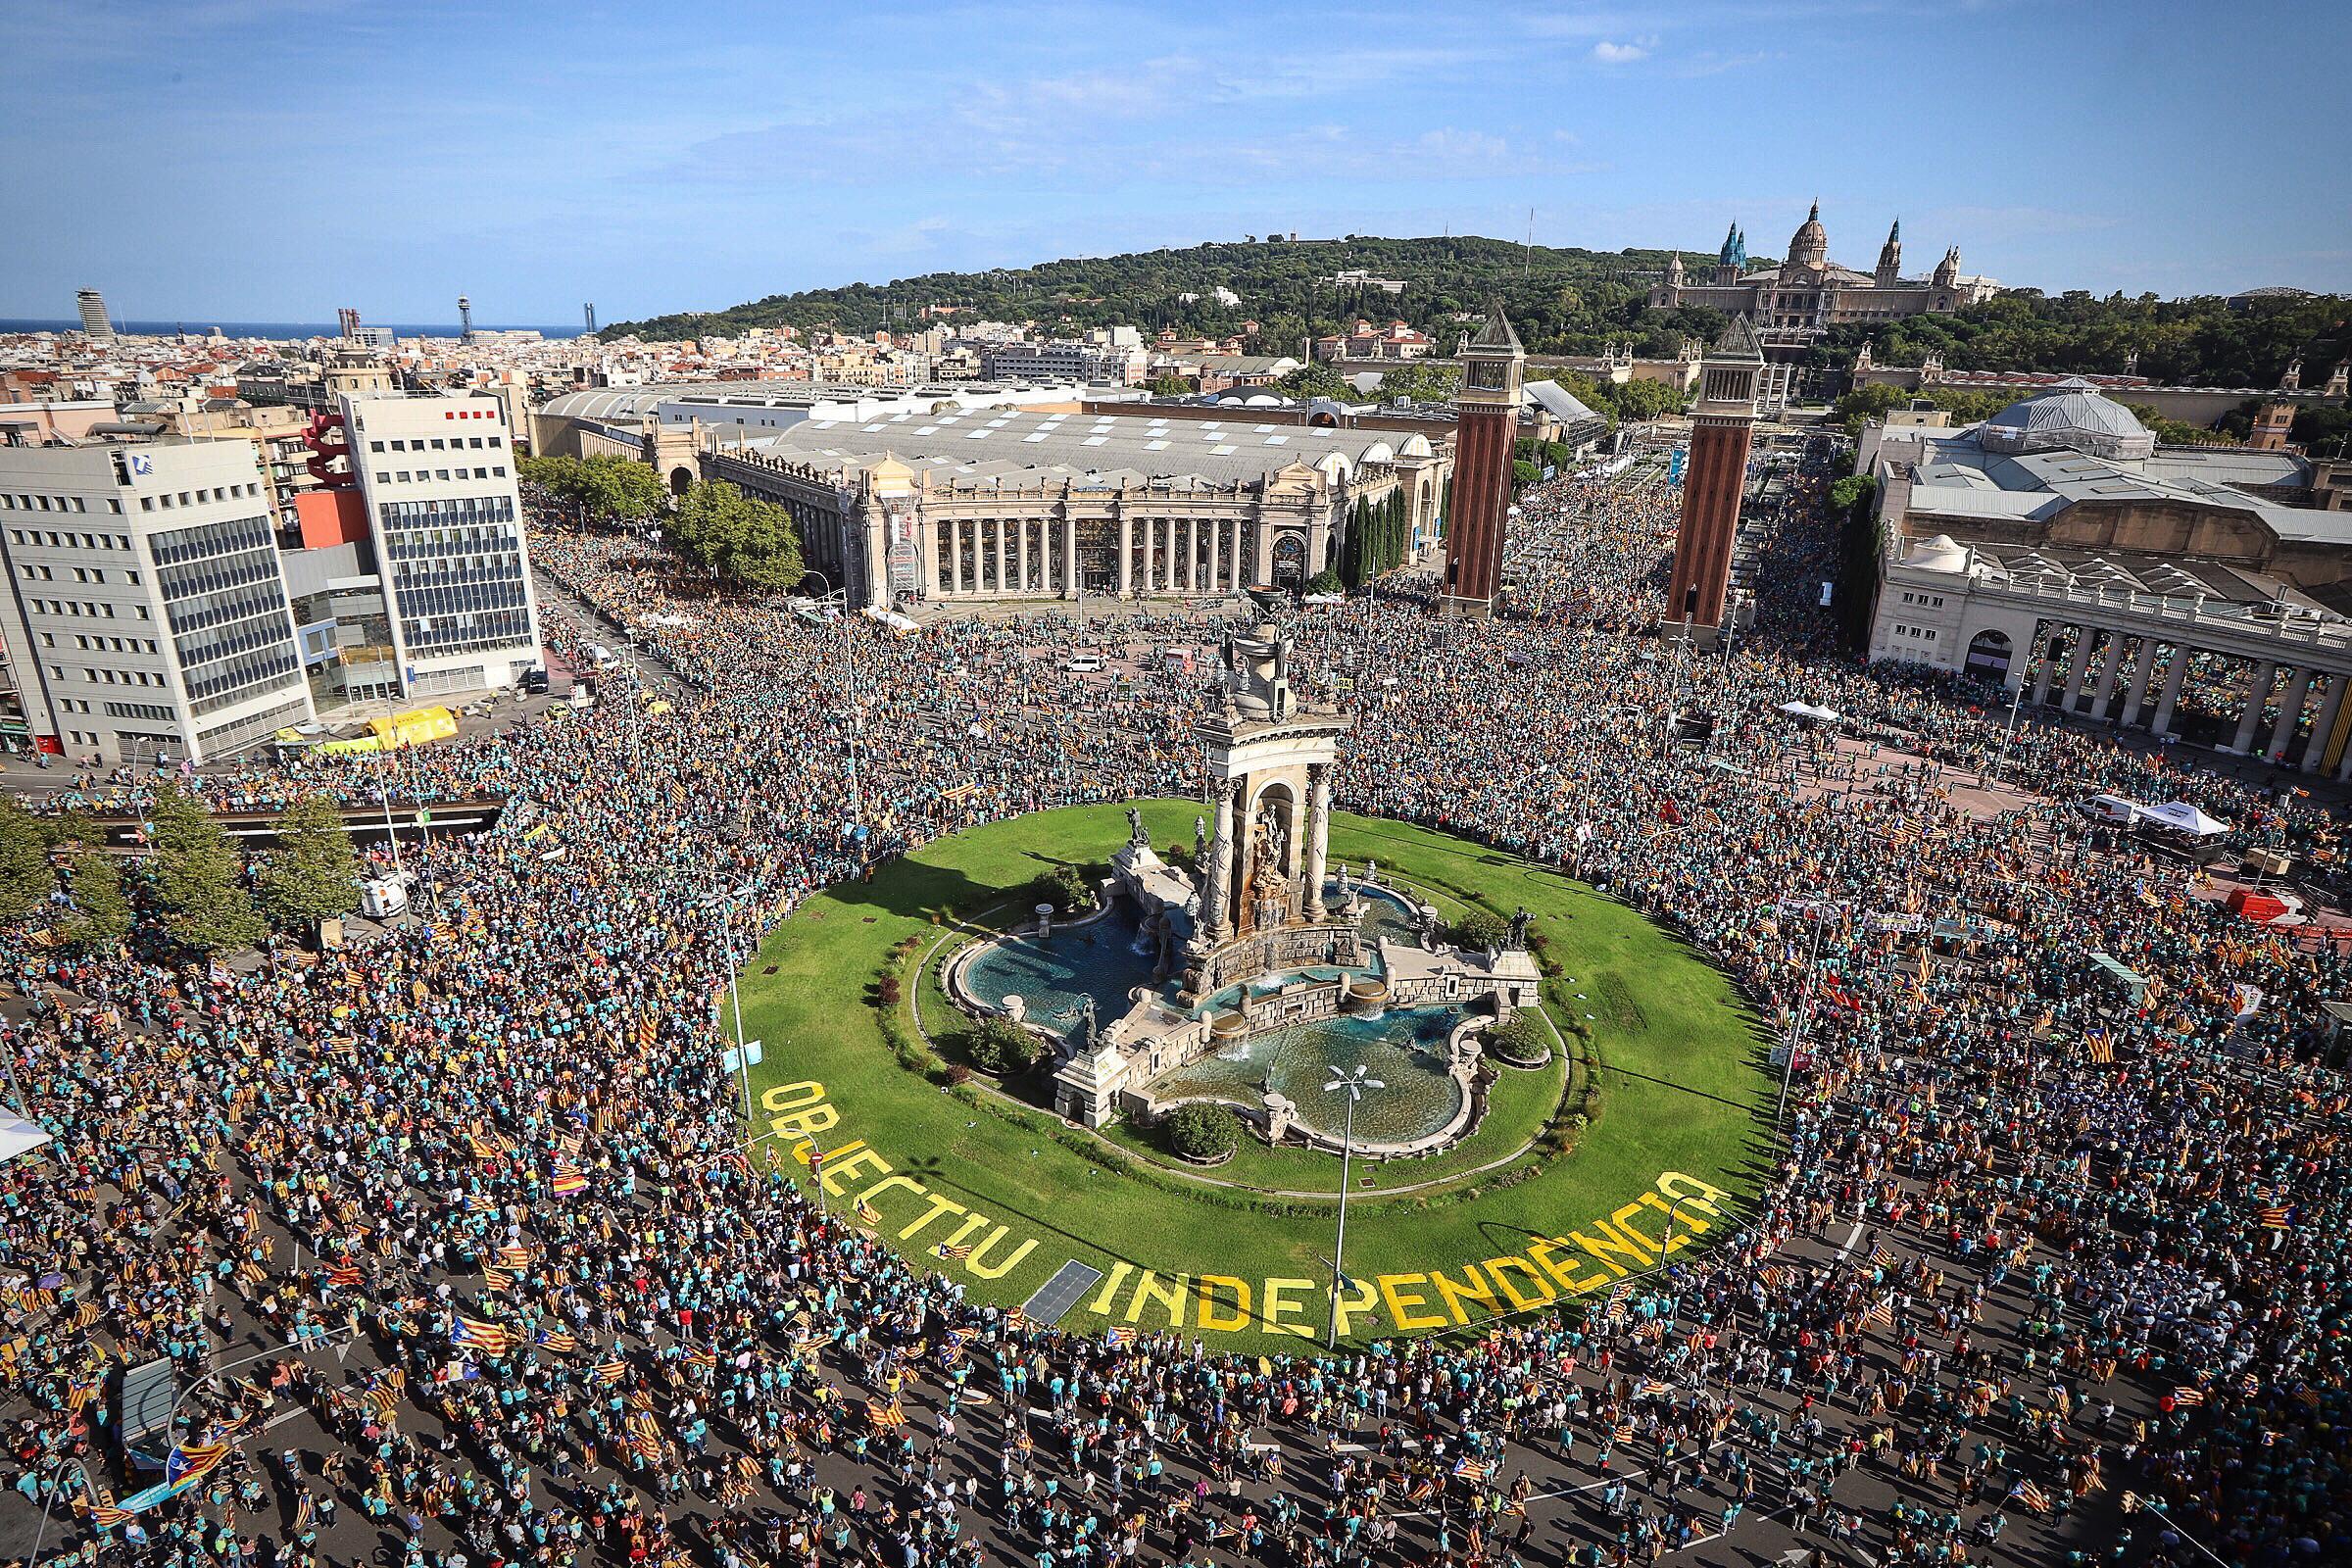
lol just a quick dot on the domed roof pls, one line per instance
(2073, 415)
(1809, 246)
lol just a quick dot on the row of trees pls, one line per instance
(2200, 341)
(1378, 537)
(606, 488)
(193, 878)
(739, 539)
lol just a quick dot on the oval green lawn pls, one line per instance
(1682, 1125)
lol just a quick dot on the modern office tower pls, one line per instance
(438, 481)
(146, 618)
(94, 322)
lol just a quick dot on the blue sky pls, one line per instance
(274, 159)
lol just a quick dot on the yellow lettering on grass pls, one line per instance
(939, 1206)
(1353, 1302)
(1392, 1291)
(978, 1262)
(1681, 1223)
(1211, 1314)
(847, 1160)
(1101, 1304)
(1278, 1304)
(1170, 1296)
(1693, 1191)
(1475, 1288)
(1574, 1284)
(791, 1096)
(890, 1183)
(805, 1124)
(1503, 1268)
(1612, 1242)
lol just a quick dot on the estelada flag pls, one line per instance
(491, 1339)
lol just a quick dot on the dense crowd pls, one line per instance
(2032, 1243)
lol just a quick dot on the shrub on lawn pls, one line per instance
(997, 1045)
(1203, 1131)
(1481, 928)
(1520, 1040)
(886, 991)
(1064, 887)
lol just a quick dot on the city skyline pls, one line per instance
(306, 155)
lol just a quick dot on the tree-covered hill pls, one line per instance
(1560, 299)
(2200, 341)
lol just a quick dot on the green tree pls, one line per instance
(1639, 400)
(102, 916)
(1171, 386)
(620, 489)
(196, 876)
(560, 476)
(1316, 380)
(997, 1045)
(313, 874)
(26, 878)
(1421, 383)
(1481, 928)
(1203, 1131)
(739, 539)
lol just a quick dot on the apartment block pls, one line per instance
(438, 482)
(146, 615)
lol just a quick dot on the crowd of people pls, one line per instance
(469, 1203)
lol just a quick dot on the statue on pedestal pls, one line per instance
(1137, 833)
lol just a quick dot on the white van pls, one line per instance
(1085, 664)
(2112, 808)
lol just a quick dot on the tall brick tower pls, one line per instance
(1722, 426)
(1487, 411)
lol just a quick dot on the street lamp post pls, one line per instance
(2000, 763)
(1804, 1011)
(1353, 1084)
(848, 662)
(725, 899)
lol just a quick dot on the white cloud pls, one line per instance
(1623, 54)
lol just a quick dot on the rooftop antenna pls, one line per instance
(465, 320)
(1527, 255)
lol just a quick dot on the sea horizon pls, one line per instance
(279, 330)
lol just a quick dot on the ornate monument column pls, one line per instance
(1269, 764)
(1318, 835)
(1215, 875)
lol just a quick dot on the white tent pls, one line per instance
(1823, 715)
(2183, 818)
(19, 1137)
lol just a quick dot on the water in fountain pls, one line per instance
(1406, 1048)
(1095, 958)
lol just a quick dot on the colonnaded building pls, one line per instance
(959, 503)
(2058, 550)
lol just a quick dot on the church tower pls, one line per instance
(1722, 428)
(1486, 414)
(1891, 258)
(2274, 422)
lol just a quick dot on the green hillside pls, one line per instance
(1564, 300)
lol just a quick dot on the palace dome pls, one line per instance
(1809, 246)
(2073, 415)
